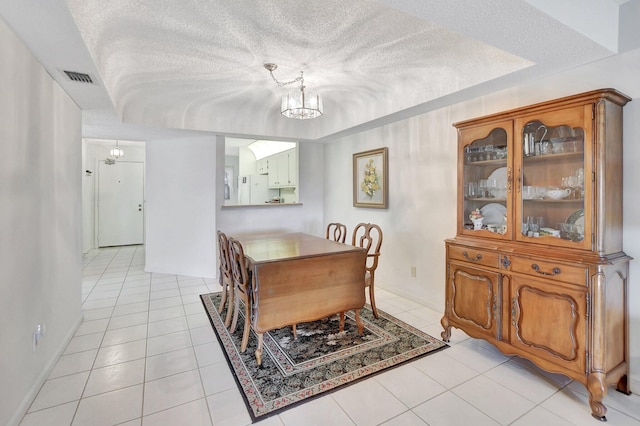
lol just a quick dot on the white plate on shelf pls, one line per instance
(500, 175)
(577, 218)
(493, 213)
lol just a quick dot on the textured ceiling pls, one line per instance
(199, 65)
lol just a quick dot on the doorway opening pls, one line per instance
(113, 193)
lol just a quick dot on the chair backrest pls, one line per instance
(336, 232)
(239, 272)
(223, 251)
(368, 236)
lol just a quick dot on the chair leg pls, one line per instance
(294, 331)
(247, 327)
(223, 283)
(372, 299)
(230, 309)
(235, 313)
(341, 321)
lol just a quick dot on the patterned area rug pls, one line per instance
(321, 359)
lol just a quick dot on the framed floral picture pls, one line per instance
(370, 179)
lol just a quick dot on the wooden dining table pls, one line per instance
(300, 278)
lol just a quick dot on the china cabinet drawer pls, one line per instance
(477, 257)
(549, 269)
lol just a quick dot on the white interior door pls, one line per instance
(120, 203)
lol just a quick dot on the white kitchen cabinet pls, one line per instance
(282, 169)
(263, 166)
(293, 167)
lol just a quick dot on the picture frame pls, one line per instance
(371, 178)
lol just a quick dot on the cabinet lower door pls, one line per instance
(548, 320)
(473, 300)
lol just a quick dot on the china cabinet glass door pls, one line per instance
(553, 186)
(485, 191)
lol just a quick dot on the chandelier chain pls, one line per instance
(286, 83)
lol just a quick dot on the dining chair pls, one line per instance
(241, 278)
(336, 232)
(225, 277)
(369, 237)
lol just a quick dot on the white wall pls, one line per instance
(40, 217)
(422, 181)
(246, 162)
(180, 206)
(422, 178)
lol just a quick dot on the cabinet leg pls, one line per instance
(597, 390)
(446, 334)
(623, 385)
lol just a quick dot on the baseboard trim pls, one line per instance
(435, 306)
(635, 384)
(42, 377)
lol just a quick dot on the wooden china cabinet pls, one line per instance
(542, 274)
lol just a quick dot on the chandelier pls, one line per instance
(299, 104)
(116, 152)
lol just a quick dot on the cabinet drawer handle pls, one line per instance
(466, 256)
(554, 271)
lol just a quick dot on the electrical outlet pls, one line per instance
(413, 271)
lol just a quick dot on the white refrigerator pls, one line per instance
(254, 189)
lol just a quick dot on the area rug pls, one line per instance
(322, 359)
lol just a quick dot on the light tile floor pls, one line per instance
(145, 354)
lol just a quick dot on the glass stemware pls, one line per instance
(572, 184)
(483, 188)
(534, 224)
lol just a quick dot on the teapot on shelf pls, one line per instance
(557, 193)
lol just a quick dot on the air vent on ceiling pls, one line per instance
(79, 77)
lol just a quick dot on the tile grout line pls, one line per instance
(84, 388)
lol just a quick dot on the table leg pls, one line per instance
(359, 322)
(259, 349)
(341, 321)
